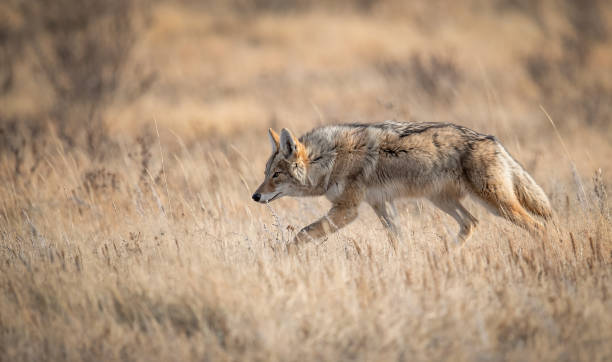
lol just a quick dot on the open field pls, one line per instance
(144, 244)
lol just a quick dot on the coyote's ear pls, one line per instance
(273, 139)
(288, 144)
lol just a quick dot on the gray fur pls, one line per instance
(380, 162)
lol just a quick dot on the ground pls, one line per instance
(147, 245)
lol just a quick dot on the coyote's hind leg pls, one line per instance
(467, 222)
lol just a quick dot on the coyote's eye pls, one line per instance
(276, 174)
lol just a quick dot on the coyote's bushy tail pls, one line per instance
(528, 193)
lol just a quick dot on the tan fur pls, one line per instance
(377, 163)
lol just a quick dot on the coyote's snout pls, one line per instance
(378, 163)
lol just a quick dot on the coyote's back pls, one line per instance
(380, 162)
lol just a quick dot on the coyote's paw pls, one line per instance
(300, 239)
(292, 248)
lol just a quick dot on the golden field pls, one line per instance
(129, 233)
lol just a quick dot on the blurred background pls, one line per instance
(133, 133)
(92, 72)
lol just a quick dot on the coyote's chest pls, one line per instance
(336, 188)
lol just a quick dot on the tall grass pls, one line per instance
(104, 262)
(145, 245)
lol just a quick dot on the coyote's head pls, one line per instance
(286, 169)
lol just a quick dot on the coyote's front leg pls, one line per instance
(342, 213)
(336, 218)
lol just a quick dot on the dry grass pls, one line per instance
(117, 258)
(103, 262)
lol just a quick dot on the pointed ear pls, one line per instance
(288, 143)
(274, 139)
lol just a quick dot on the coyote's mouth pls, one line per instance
(278, 194)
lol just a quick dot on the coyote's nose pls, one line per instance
(257, 197)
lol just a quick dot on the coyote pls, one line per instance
(380, 162)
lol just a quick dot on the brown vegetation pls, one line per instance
(128, 156)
